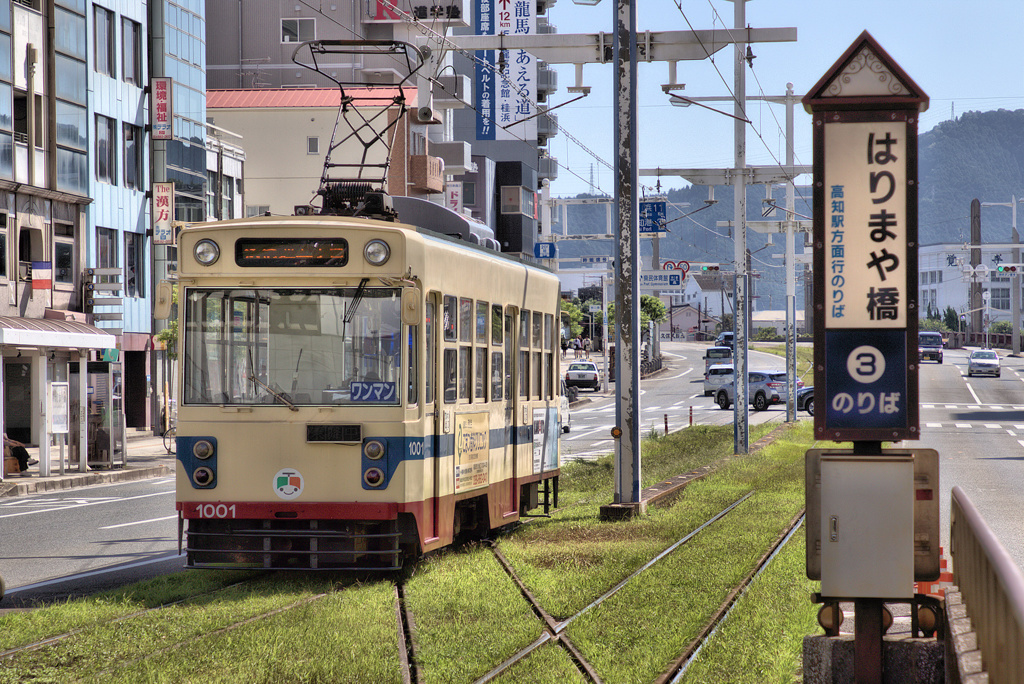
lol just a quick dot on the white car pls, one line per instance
(564, 415)
(716, 376)
(583, 374)
(983, 361)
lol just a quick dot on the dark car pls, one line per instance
(725, 339)
(929, 346)
(805, 400)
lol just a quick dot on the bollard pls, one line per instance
(666, 424)
(691, 416)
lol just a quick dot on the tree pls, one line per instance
(169, 335)
(573, 313)
(651, 309)
(950, 318)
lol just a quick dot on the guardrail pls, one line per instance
(993, 590)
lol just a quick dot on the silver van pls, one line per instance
(717, 355)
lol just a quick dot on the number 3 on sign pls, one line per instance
(865, 364)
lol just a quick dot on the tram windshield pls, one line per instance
(293, 346)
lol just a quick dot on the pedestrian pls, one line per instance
(586, 347)
(18, 451)
(565, 345)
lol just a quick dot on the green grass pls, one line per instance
(804, 359)
(469, 616)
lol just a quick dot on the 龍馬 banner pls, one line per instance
(866, 225)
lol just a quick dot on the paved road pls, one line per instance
(675, 395)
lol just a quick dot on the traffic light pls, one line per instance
(707, 268)
(1010, 268)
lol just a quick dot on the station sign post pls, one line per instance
(865, 116)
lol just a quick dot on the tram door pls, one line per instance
(432, 412)
(512, 391)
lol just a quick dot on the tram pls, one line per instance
(356, 391)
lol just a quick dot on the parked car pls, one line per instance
(929, 346)
(583, 374)
(725, 339)
(564, 414)
(716, 376)
(717, 355)
(778, 383)
(983, 361)
(759, 392)
(805, 400)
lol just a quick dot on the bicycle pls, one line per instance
(170, 438)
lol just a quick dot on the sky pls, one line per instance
(966, 56)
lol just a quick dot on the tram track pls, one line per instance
(555, 631)
(58, 638)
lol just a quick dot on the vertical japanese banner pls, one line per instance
(161, 112)
(163, 213)
(866, 216)
(865, 113)
(506, 80)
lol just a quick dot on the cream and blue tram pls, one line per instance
(355, 391)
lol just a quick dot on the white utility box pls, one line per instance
(867, 526)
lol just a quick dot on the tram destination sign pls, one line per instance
(865, 111)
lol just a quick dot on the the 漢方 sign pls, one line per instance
(865, 111)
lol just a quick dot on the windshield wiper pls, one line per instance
(277, 395)
(356, 298)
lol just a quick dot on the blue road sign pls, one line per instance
(652, 216)
(544, 250)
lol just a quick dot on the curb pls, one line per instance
(40, 485)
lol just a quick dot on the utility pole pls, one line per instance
(670, 46)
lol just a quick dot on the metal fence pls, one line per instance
(993, 591)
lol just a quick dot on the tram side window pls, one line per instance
(481, 374)
(538, 329)
(451, 317)
(497, 372)
(465, 372)
(549, 322)
(548, 362)
(430, 360)
(538, 371)
(496, 334)
(481, 322)
(450, 375)
(413, 377)
(509, 356)
(524, 374)
(524, 328)
(465, 320)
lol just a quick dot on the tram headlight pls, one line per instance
(374, 477)
(202, 449)
(206, 252)
(374, 450)
(202, 476)
(377, 252)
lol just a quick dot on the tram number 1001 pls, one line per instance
(215, 510)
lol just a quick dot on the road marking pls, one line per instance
(933, 425)
(80, 505)
(140, 522)
(973, 393)
(992, 426)
(963, 425)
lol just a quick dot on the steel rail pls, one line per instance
(679, 666)
(556, 630)
(56, 639)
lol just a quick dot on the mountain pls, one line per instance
(977, 155)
